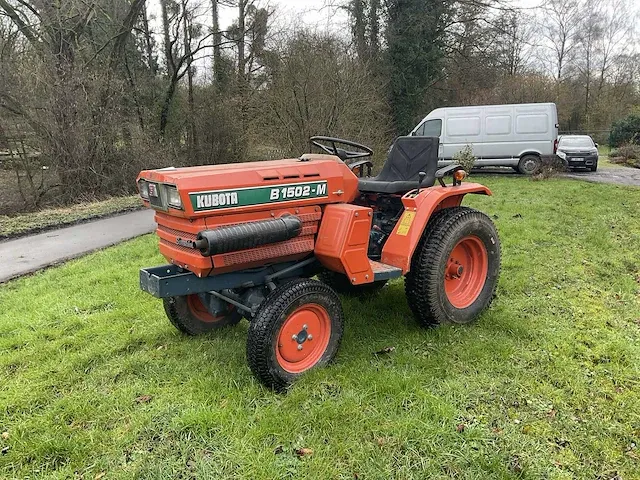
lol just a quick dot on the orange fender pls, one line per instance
(418, 208)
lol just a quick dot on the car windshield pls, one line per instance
(576, 142)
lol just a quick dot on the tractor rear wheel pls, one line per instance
(341, 284)
(455, 269)
(298, 327)
(189, 315)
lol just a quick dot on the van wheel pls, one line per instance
(529, 164)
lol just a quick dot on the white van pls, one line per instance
(517, 136)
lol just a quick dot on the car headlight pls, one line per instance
(173, 197)
(562, 155)
(143, 188)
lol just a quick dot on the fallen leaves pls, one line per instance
(99, 475)
(385, 351)
(304, 452)
(4, 435)
(460, 428)
(144, 399)
(516, 466)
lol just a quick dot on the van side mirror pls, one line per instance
(596, 145)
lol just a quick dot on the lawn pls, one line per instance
(16, 225)
(95, 382)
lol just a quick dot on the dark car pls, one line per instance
(578, 151)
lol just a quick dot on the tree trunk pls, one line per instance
(166, 104)
(148, 45)
(191, 134)
(359, 28)
(217, 40)
(374, 32)
(167, 39)
(241, 41)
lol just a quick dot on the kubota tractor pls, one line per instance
(246, 240)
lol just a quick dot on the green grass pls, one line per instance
(603, 150)
(544, 385)
(15, 225)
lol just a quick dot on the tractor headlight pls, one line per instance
(562, 155)
(143, 188)
(173, 197)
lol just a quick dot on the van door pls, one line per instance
(462, 127)
(534, 129)
(498, 136)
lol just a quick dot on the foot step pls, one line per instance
(382, 271)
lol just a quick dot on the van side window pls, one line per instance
(431, 128)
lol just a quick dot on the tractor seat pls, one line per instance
(408, 157)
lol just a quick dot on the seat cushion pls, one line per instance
(378, 186)
(407, 158)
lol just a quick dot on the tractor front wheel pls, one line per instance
(454, 272)
(298, 327)
(190, 315)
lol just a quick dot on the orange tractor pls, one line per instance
(246, 240)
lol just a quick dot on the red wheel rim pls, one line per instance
(466, 271)
(303, 338)
(198, 310)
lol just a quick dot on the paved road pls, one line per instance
(615, 175)
(29, 254)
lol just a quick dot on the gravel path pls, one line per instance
(614, 175)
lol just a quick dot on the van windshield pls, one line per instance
(576, 142)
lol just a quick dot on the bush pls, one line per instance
(628, 154)
(549, 168)
(465, 158)
(625, 130)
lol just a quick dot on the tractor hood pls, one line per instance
(221, 189)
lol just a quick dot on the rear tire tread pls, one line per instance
(423, 283)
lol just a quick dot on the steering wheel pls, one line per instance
(341, 153)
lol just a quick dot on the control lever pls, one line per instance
(421, 177)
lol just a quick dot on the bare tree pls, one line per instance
(560, 24)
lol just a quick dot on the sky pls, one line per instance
(309, 12)
(317, 14)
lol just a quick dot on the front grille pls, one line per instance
(177, 233)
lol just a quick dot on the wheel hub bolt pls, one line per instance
(309, 337)
(300, 347)
(294, 337)
(304, 327)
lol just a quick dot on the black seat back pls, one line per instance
(408, 157)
